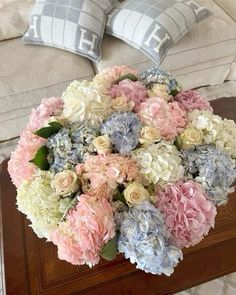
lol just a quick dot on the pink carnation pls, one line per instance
(111, 170)
(86, 230)
(18, 166)
(133, 91)
(188, 213)
(168, 118)
(190, 100)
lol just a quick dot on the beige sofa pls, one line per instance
(205, 56)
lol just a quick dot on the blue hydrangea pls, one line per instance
(70, 146)
(155, 75)
(144, 239)
(123, 130)
(214, 169)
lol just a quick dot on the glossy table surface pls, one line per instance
(31, 265)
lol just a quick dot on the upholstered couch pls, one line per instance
(205, 56)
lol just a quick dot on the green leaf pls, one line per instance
(177, 143)
(174, 92)
(56, 126)
(109, 251)
(40, 159)
(121, 198)
(129, 76)
(46, 132)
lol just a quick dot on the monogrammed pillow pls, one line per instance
(153, 26)
(74, 25)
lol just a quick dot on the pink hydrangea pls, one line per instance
(190, 100)
(86, 230)
(133, 91)
(188, 213)
(115, 72)
(18, 166)
(168, 118)
(111, 170)
(47, 108)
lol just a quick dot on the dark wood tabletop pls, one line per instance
(31, 265)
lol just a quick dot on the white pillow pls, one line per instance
(153, 26)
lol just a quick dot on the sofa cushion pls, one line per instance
(232, 73)
(228, 6)
(153, 26)
(203, 57)
(14, 16)
(76, 26)
(27, 74)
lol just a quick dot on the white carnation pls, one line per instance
(159, 162)
(84, 102)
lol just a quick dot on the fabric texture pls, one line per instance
(153, 26)
(228, 6)
(232, 73)
(74, 25)
(14, 16)
(29, 73)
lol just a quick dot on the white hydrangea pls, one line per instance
(84, 102)
(159, 162)
(41, 205)
(221, 132)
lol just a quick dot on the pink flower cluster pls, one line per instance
(105, 172)
(86, 230)
(133, 91)
(190, 100)
(115, 72)
(188, 213)
(18, 166)
(168, 118)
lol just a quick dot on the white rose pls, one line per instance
(102, 144)
(189, 138)
(159, 90)
(149, 135)
(121, 103)
(135, 193)
(65, 183)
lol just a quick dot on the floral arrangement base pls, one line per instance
(125, 163)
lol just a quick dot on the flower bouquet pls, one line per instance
(124, 163)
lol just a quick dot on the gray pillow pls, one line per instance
(153, 26)
(74, 25)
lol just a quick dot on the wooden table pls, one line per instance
(32, 266)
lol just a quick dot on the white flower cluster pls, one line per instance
(221, 132)
(159, 162)
(84, 102)
(41, 205)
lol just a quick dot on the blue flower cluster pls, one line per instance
(70, 146)
(144, 240)
(123, 130)
(213, 168)
(155, 75)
